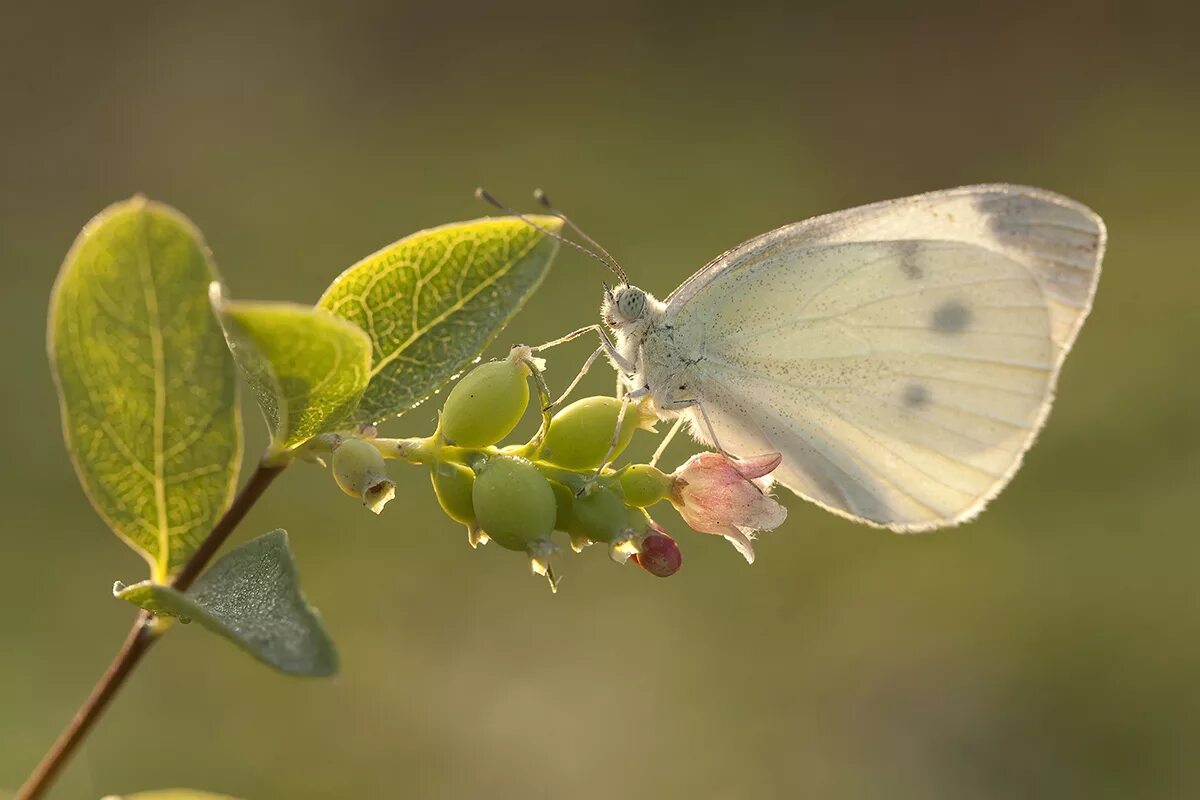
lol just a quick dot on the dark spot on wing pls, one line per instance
(1008, 215)
(908, 260)
(953, 317)
(916, 396)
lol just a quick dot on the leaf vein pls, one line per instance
(456, 307)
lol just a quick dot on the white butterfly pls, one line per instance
(901, 356)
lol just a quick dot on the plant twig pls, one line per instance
(140, 637)
(244, 501)
(143, 634)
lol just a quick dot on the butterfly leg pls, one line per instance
(583, 371)
(680, 405)
(616, 438)
(662, 447)
(606, 344)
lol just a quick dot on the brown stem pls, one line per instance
(140, 637)
(244, 501)
(143, 634)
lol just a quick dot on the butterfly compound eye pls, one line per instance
(631, 302)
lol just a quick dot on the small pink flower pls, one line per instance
(716, 494)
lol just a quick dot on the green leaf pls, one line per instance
(306, 367)
(171, 794)
(251, 596)
(146, 385)
(433, 301)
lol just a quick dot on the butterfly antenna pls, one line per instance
(544, 202)
(486, 196)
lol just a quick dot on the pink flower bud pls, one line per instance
(716, 494)
(659, 555)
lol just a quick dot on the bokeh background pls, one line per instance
(1049, 649)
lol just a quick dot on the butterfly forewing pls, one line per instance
(1059, 241)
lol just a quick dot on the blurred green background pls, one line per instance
(1048, 650)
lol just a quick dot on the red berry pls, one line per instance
(659, 556)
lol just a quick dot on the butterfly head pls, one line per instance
(623, 306)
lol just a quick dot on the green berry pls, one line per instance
(564, 500)
(644, 485)
(452, 483)
(513, 502)
(581, 433)
(360, 471)
(600, 515)
(487, 404)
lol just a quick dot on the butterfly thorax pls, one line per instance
(646, 341)
(629, 313)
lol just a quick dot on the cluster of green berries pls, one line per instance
(520, 496)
